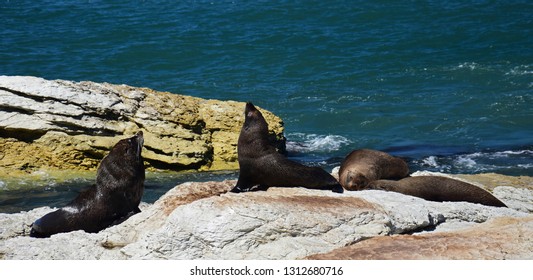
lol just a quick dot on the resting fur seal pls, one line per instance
(437, 188)
(115, 196)
(261, 165)
(361, 167)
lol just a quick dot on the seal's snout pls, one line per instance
(348, 181)
(137, 142)
(140, 139)
(250, 109)
(360, 181)
(355, 181)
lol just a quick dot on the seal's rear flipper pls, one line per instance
(36, 230)
(337, 189)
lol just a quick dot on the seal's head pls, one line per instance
(253, 119)
(129, 148)
(124, 159)
(124, 164)
(254, 129)
(354, 181)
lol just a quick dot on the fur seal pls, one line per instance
(361, 167)
(437, 188)
(261, 165)
(115, 196)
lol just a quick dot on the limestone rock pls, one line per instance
(19, 224)
(155, 216)
(278, 224)
(516, 198)
(204, 221)
(71, 125)
(499, 238)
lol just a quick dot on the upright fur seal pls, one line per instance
(363, 166)
(437, 188)
(261, 165)
(115, 196)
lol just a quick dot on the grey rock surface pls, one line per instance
(203, 221)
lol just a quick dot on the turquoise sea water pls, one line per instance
(446, 84)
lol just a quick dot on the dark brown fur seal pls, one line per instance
(437, 188)
(363, 166)
(261, 165)
(115, 196)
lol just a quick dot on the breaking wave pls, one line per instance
(518, 162)
(306, 143)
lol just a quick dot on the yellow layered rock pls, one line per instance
(64, 125)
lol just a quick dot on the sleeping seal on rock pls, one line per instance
(363, 166)
(261, 165)
(115, 196)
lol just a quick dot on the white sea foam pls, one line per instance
(465, 162)
(467, 65)
(479, 161)
(521, 152)
(300, 142)
(430, 161)
(520, 71)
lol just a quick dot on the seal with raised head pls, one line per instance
(115, 196)
(261, 165)
(438, 188)
(363, 166)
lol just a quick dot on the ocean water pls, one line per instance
(448, 85)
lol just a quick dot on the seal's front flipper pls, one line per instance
(261, 188)
(242, 185)
(237, 189)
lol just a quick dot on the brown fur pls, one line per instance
(361, 167)
(437, 188)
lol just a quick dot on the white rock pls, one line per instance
(203, 221)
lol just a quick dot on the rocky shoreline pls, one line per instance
(48, 126)
(203, 221)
